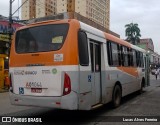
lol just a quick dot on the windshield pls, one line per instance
(41, 38)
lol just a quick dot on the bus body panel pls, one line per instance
(92, 78)
(42, 81)
(111, 76)
(69, 102)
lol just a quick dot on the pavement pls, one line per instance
(154, 77)
(6, 107)
(3, 90)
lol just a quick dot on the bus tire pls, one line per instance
(116, 96)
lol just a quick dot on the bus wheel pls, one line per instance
(116, 96)
(141, 89)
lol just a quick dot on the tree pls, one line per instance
(133, 33)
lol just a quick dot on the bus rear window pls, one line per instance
(41, 38)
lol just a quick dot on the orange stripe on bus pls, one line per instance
(130, 70)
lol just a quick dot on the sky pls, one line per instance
(146, 13)
(4, 7)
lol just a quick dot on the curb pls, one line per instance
(3, 90)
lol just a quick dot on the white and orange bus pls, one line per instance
(67, 64)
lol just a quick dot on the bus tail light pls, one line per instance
(10, 79)
(67, 84)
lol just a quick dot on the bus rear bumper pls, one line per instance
(63, 102)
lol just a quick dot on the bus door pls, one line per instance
(95, 54)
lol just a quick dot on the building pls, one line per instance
(154, 58)
(4, 47)
(147, 44)
(95, 10)
(4, 37)
(4, 27)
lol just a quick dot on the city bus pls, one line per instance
(67, 64)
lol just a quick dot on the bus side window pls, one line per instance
(83, 49)
(122, 55)
(113, 54)
(134, 58)
(141, 58)
(138, 58)
(130, 57)
(125, 56)
(109, 52)
(119, 55)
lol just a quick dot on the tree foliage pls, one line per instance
(132, 33)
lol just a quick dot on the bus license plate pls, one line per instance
(36, 90)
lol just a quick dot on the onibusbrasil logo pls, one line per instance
(19, 120)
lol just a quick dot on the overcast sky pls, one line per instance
(4, 7)
(144, 12)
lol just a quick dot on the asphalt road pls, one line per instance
(147, 104)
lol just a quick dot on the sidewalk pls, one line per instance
(4, 90)
(153, 77)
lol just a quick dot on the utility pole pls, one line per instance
(10, 19)
(10, 25)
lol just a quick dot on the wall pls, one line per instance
(80, 7)
(25, 10)
(40, 8)
(61, 6)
